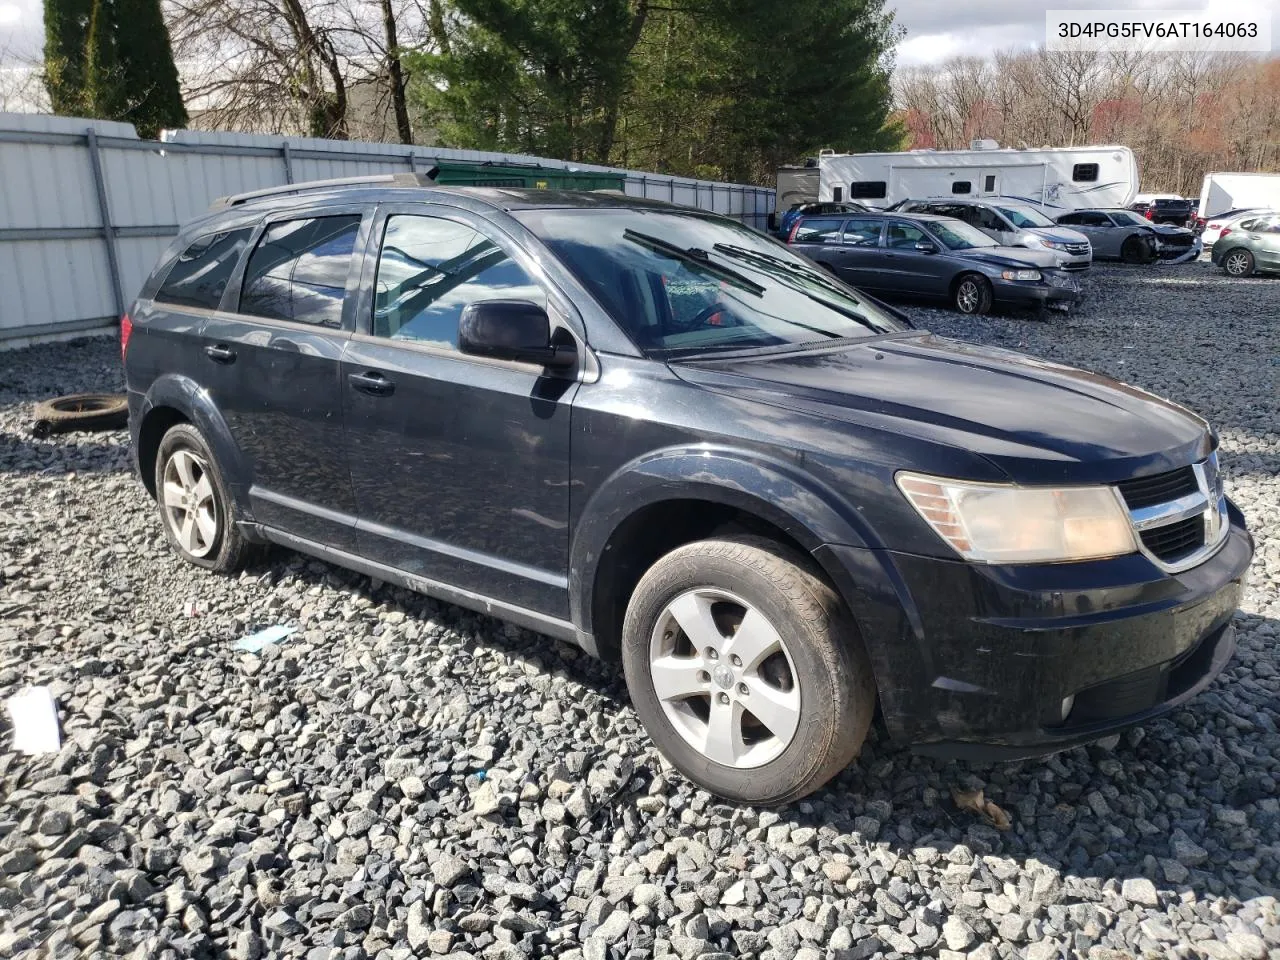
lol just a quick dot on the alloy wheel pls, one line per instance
(190, 508)
(967, 296)
(1237, 263)
(724, 678)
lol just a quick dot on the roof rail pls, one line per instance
(384, 179)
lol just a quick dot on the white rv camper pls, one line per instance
(1070, 178)
(1221, 192)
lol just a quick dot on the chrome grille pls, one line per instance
(1180, 516)
(1077, 248)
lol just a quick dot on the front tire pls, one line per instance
(972, 295)
(1238, 263)
(746, 669)
(1136, 250)
(195, 510)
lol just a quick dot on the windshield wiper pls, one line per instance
(795, 269)
(693, 256)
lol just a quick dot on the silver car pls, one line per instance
(1118, 234)
(1013, 223)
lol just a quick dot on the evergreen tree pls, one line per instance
(66, 33)
(147, 68)
(115, 63)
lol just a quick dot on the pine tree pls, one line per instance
(147, 68)
(66, 31)
(112, 60)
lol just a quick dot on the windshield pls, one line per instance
(1126, 218)
(958, 235)
(1023, 217)
(682, 284)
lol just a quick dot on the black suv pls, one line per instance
(665, 437)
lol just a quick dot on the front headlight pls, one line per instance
(999, 523)
(1053, 244)
(1020, 274)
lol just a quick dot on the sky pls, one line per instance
(936, 29)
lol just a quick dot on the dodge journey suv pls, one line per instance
(662, 436)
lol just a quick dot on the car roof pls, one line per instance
(885, 215)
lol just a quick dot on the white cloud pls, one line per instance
(10, 13)
(981, 27)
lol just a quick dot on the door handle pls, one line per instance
(372, 383)
(220, 353)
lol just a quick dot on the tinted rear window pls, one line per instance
(299, 270)
(199, 277)
(818, 230)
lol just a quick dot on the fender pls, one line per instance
(800, 505)
(190, 399)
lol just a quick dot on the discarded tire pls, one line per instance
(80, 411)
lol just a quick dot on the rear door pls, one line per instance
(1094, 225)
(859, 257)
(272, 360)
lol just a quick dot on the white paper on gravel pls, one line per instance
(35, 721)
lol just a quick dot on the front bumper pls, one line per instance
(1171, 254)
(1060, 292)
(985, 658)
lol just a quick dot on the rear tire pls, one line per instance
(719, 628)
(1238, 263)
(195, 509)
(972, 294)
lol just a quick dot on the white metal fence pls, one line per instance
(86, 206)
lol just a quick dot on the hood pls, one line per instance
(1030, 418)
(1011, 256)
(1061, 234)
(1169, 230)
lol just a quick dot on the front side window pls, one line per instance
(902, 236)
(958, 235)
(299, 270)
(862, 232)
(430, 269)
(686, 283)
(818, 230)
(200, 275)
(1023, 217)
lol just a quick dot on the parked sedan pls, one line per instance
(1118, 234)
(1252, 246)
(941, 258)
(1013, 223)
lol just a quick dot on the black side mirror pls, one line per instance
(511, 330)
(924, 246)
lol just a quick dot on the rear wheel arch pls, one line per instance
(176, 399)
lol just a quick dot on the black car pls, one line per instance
(921, 255)
(1172, 210)
(657, 434)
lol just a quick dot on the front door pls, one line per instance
(460, 464)
(272, 358)
(912, 270)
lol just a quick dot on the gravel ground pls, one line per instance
(403, 778)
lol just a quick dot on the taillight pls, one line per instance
(795, 228)
(1151, 214)
(1224, 232)
(126, 329)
